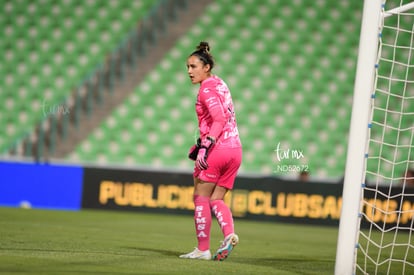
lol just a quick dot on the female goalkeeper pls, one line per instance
(217, 155)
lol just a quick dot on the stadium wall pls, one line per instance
(257, 198)
(41, 185)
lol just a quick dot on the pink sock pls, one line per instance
(202, 219)
(224, 216)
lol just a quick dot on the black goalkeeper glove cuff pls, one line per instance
(194, 150)
(207, 143)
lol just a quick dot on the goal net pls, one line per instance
(383, 238)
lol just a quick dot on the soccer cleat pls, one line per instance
(226, 247)
(197, 254)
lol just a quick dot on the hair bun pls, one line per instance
(203, 53)
(204, 46)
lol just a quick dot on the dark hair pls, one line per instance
(203, 53)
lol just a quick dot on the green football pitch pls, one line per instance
(111, 242)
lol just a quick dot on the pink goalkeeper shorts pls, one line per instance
(223, 164)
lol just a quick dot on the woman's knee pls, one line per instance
(218, 193)
(202, 188)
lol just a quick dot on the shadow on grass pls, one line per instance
(158, 251)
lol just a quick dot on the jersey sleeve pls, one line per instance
(214, 105)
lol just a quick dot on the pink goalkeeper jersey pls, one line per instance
(215, 113)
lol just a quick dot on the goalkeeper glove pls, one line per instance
(201, 161)
(192, 154)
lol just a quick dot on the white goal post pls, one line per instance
(380, 147)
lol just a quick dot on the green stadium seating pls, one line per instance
(50, 47)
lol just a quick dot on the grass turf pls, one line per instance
(107, 242)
